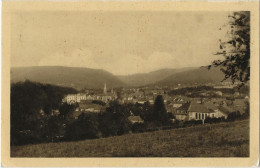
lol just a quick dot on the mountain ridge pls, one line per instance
(200, 75)
(76, 77)
(142, 79)
(81, 78)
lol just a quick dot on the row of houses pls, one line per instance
(198, 111)
(77, 98)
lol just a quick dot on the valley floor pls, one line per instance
(213, 140)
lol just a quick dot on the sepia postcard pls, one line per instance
(130, 84)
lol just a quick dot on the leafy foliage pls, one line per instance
(99, 102)
(114, 121)
(66, 110)
(86, 127)
(236, 50)
(31, 108)
(233, 116)
(159, 111)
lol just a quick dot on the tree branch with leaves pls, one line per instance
(236, 50)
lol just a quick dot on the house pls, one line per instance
(151, 101)
(242, 110)
(197, 100)
(220, 111)
(141, 101)
(79, 97)
(219, 93)
(135, 119)
(178, 102)
(84, 107)
(236, 94)
(74, 98)
(239, 103)
(223, 111)
(181, 113)
(90, 97)
(228, 102)
(199, 112)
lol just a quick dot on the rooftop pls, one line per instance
(196, 107)
(224, 110)
(184, 107)
(135, 119)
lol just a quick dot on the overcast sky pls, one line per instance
(119, 42)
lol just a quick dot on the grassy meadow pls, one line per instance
(211, 140)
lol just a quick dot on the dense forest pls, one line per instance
(32, 105)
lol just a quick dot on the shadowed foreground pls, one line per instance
(215, 140)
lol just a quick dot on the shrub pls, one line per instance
(234, 116)
(138, 127)
(192, 123)
(86, 127)
(99, 102)
(214, 120)
(114, 121)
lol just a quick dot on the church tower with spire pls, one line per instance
(105, 89)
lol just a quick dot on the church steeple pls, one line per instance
(105, 89)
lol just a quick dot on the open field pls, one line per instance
(215, 140)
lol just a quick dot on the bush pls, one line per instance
(24, 137)
(192, 123)
(234, 116)
(214, 120)
(86, 127)
(99, 102)
(114, 121)
(138, 127)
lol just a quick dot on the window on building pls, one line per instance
(213, 115)
(196, 115)
(202, 116)
(199, 115)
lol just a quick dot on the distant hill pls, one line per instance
(198, 75)
(78, 78)
(142, 79)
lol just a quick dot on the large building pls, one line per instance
(198, 111)
(77, 98)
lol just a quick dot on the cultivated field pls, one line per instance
(215, 140)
